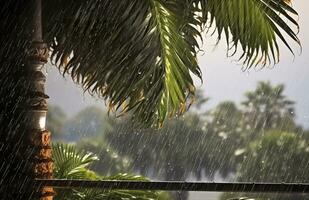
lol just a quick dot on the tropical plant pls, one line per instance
(265, 108)
(268, 108)
(71, 163)
(275, 156)
(110, 162)
(139, 55)
(152, 46)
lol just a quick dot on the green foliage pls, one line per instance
(96, 194)
(224, 141)
(164, 196)
(178, 57)
(278, 157)
(89, 122)
(146, 48)
(171, 153)
(254, 25)
(110, 162)
(71, 163)
(268, 108)
(224, 125)
(275, 157)
(56, 118)
(141, 55)
(155, 149)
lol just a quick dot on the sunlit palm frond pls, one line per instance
(177, 57)
(254, 25)
(97, 194)
(136, 54)
(71, 163)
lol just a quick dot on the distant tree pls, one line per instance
(182, 149)
(89, 122)
(109, 161)
(225, 127)
(56, 119)
(275, 157)
(268, 108)
(265, 108)
(193, 145)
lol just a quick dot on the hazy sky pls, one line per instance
(223, 77)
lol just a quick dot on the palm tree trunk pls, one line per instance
(39, 137)
(24, 143)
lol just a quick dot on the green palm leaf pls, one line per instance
(125, 194)
(177, 57)
(97, 194)
(254, 25)
(71, 163)
(140, 55)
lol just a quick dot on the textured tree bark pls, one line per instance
(25, 149)
(38, 137)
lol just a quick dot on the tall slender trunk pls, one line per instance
(24, 143)
(39, 137)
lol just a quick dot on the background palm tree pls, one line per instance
(267, 107)
(138, 55)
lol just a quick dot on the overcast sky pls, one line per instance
(223, 77)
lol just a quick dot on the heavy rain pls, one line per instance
(156, 99)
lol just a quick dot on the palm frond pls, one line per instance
(177, 56)
(140, 55)
(136, 54)
(71, 163)
(254, 25)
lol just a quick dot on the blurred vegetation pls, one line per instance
(56, 119)
(89, 122)
(275, 157)
(71, 163)
(109, 161)
(257, 140)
